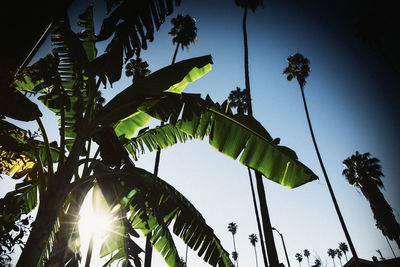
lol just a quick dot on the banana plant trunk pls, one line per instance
(41, 229)
(352, 249)
(269, 239)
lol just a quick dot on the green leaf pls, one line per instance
(234, 136)
(122, 111)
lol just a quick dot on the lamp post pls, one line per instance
(284, 247)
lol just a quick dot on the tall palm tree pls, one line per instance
(232, 227)
(339, 255)
(238, 100)
(306, 253)
(344, 248)
(365, 173)
(253, 240)
(137, 69)
(269, 238)
(299, 258)
(299, 68)
(332, 254)
(184, 32)
(317, 262)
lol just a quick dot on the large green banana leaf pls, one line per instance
(153, 204)
(122, 111)
(232, 135)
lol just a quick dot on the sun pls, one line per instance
(94, 225)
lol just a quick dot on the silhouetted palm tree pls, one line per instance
(137, 68)
(365, 173)
(344, 248)
(271, 249)
(332, 254)
(339, 255)
(298, 68)
(184, 32)
(317, 262)
(232, 227)
(306, 253)
(253, 240)
(237, 100)
(299, 258)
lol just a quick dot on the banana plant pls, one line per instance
(61, 174)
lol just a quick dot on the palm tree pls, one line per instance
(232, 227)
(253, 240)
(339, 255)
(299, 258)
(137, 68)
(307, 254)
(317, 262)
(184, 32)
(298, 67)
(269, 239)
(332, 254)
(344, 248)
(238, 99)
(365, 173)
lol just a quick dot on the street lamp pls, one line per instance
(284, 247)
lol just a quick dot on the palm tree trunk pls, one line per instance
(345, 256)
(255, 252)
(308, 262)
(271, 249)
(333, 262)
(353, 251)
(176, 52)
(258, 219)
(340, 262)
(149, 247)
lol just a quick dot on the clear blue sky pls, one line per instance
(351, 99)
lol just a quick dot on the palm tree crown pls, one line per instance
(332, 254)
(232, 227)
(298, 67)
(339, 255)
(253, 239)
(317, 262)
(184, 30)
(299, 257)
(365, 173)
(238, 99)
(361, 169)
(252, 4)
(306, 253)
(137, 68)
(344, 248)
